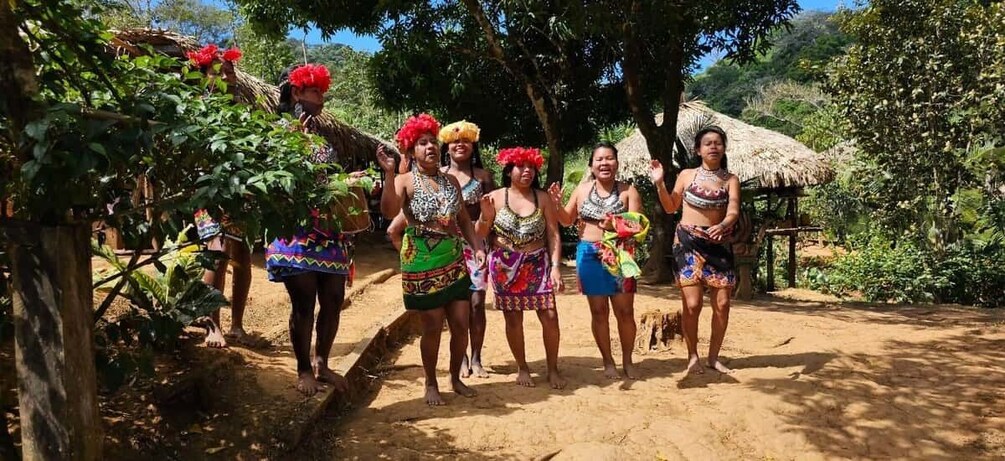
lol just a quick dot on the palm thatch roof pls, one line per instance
(772, 159)
(347, 140)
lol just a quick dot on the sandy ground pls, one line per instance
(813, 380)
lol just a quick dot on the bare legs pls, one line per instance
(456, 313)
(692, 302)
(240, 254)
(552, 337)
(624, 313)
(329, 291)
(477, 332)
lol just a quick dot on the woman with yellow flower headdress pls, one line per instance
(460, 158)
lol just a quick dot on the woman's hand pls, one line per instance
(656, 172)
(555, 192)
(556, 279)
(607, 223)
(716, 233)
(488, 206)
(385, 161)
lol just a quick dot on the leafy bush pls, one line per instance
(884, 271)
(975, 275)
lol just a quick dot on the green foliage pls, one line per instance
(882, 271)
(202, 20)
(921, 108)
(264, 56)
(800, 54)
(161, 304)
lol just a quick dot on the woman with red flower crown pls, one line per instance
(460, 158)
(315, 263)
(218, 66)
(596, 203)
(523, 264)
(434, 276)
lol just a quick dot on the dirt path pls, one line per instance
(813, 381)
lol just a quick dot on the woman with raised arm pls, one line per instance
(710, 197)
(524, 262)
(596, 204)
(434, 276)
(219, 236)
(314, 263)
(460, 158)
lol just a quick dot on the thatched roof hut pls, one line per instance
(776, 161)
(347, 140)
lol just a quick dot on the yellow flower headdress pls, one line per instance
(459, 131)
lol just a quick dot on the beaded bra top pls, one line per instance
(429, 206)
(519, 230)
(471, 192)
(595, 207)
(707, 199)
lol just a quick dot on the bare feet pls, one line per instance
(523, 378)
(325, 375)
(556, 380)
(630, 371)
(718, 366)
(463, 389)
(465, 367)
(478, 370)
(433, 398)
(611, 371)
(306, 383)
(237, 333)
(694, 366)
(214, 337)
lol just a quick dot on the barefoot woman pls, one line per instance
(314, 263)
(594, 202)
(460, 158)
(222, 238)
(710, 196)
(434, 276)
(523, 265)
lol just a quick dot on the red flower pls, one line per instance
(414, 128)
(311, 76)
(232, 55)
(520, 156)
(210, 53)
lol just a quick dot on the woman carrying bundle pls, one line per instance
(710, 196)
(601, 205)
(524, 262)
(314, 263)
(435, 279)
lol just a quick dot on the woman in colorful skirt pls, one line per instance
(435, 279)
(315, 263)
(524, 262)
(223, 239)
(460, 158)
(710, 196)
(595, 203)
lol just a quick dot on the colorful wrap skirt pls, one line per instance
(594, 277)
(479, 276)
(700, 261)
(433, 271)
(314, 251)
(208, 228)
(521, 281)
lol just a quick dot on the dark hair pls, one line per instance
(476, 156)
(604, 145)
(285, 90)
(506, 181)
(722, 135)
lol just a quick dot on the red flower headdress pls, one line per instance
(519, 156)
(414, 128)
(210, 53)
(311, 75)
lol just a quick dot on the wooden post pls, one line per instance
(771, 263)
(53, 321)
(791, 267)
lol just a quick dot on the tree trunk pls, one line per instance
(57, 384)
(549, 122)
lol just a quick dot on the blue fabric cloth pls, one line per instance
(594, 278)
